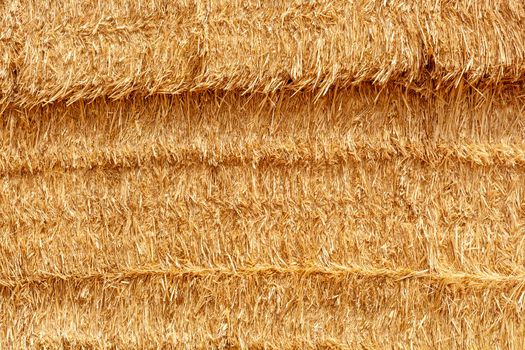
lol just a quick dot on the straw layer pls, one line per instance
(70, 50)
(263, 308)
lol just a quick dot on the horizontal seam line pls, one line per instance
(397, 275)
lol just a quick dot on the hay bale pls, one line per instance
(227, 174)
(70, 50)
(264, 221)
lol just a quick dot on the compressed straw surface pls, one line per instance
(262, 175)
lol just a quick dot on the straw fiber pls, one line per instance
(262, 175)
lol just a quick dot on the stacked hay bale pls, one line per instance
(249, 174)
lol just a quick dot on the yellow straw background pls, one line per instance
(262, 174)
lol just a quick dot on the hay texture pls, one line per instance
(262, 174)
